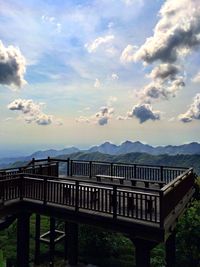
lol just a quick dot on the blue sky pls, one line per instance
(86, 72)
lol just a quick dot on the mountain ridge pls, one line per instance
(111, 149)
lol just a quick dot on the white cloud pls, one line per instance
(157, 90)
(101, 118)
(12, 66)
(176, 34)
(196, 78)
(114, 76)
(52, 20)
(100, 41)
(177, 30)
(32, 112)
(193, 113)
(128, 54)
(97, 83)
(144, 112)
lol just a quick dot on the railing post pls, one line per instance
(114, 201)
(49, 169)
(111, 169)
(77, 196)
(135, 170)
(161, 209)
(3, 193)
(45, 190)
(90, 169)
(71, 169)
(57, 169)
(40, 170)
(33, 162)
(21, 185)
(68, 167)
(161, 174)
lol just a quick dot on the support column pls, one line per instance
(142, 250)
(23, 231)
(52, 241)
(72, 244)
(37, 240)
(170, 250)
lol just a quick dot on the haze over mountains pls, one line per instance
(111, 149)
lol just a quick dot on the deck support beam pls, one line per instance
(170, 250)
(23, 232)
(37, 239)
(72, 243)
(52, 241)
(142, 250)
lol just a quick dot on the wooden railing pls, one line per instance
(77, 168)
(115, 200)
(50, 169)
(174, 192)
(118, 201)
(137, 171)
(39, 181)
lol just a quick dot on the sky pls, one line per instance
(81, 72)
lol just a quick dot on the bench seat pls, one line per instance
(111, 178)
(147, 182)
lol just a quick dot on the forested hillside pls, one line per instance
(139, 158)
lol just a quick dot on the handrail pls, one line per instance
(152, 205)
(172, 184)
(24, 167)
(121, 163)
(54, 178)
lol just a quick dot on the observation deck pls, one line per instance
(141, 201)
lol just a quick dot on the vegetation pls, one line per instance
(109, 249)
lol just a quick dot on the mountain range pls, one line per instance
(111, 149)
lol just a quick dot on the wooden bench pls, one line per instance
(147, 182)
(111, 178)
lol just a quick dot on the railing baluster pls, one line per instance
(77, 196)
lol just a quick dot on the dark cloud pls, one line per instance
(12, 66)
(165, 71)
(144, 112)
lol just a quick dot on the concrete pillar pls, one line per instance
(37, 240)
(170, 250)
(23, 232)
(72, 243)
(52, 241)
(142, 252)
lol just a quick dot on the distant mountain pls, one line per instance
(53, 152)
(132, 147)
(139, 158)
(106, 148)
(111, 149)
(38, 155)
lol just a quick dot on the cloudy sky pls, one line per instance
(81, 72)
